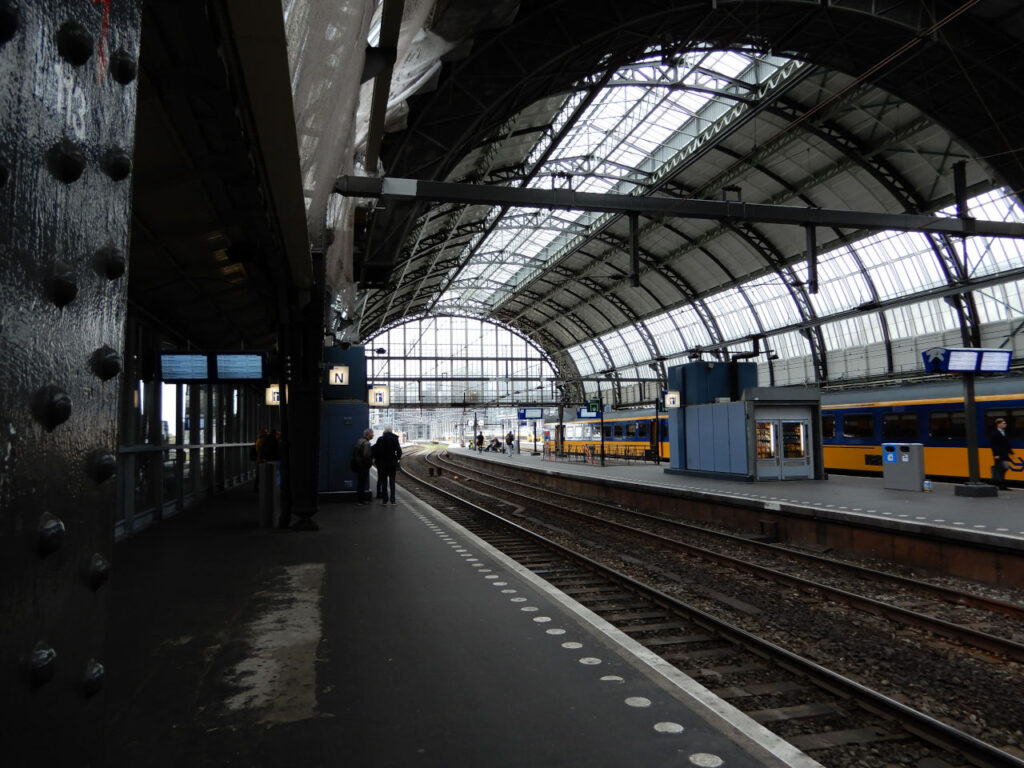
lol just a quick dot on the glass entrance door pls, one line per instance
(766, 437)
(782, 449)
(796, 458)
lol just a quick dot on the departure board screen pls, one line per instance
(183, 367)
(238, 367)
(995, 361)
(962, 360)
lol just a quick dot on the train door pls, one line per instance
(783, 449)
(654, 435)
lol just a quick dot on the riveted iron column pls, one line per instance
(67, 116)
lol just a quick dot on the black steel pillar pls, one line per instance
(302, 342)
(67, 123)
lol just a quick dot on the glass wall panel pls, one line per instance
(841, 283)
(733, 314)
(772, 302)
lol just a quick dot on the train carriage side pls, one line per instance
(855, 425)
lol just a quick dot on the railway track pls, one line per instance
(968, 618)
(837, 720)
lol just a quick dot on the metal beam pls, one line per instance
(656, 207)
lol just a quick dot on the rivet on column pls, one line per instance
(105, 363)
(123, 67)
(51, 407)
(92, 678)
(8, 20)
(102, 465)
(51, 534)
(98, 572)
(42, 664)
(117, 164)
(62, 285)
(110, 262)
(74, 43)
(66, 161)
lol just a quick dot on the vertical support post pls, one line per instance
(810, 234)
(634, 248)
(971, 426)
(67, 130)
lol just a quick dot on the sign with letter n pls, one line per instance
(338, 376)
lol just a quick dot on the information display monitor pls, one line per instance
(184, 367)
(961, 360)
(238, 366)
(995, 361)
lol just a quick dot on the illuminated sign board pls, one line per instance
(274, 394)
(337, 376)
(184, 367)
(237, 366)
(531, 413)
(380, 396)
(966, 360)
(995, 360)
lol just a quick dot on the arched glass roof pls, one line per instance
(622, 137)
(698, 120)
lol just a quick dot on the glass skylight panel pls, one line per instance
(733, 314)
(788, 345)
(772, 301)
(588, 358)
(691, 326)
(611, 146)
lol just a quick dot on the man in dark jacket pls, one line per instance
(1001, 452)
(386, 453)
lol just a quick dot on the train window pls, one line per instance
(617, 430)
(1014, 421)
(828, 426)
(946, 425)
(631, 430)
(664, 430)
(899, 426)
(608, 432)
(642, 430)
(859, 426)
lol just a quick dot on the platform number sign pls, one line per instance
(338, 376)
(273, 394)
(672, 399)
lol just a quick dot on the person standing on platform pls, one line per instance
(387, 453)
(509, 442)
(1001, 453)
(362, 460)
(480, 442)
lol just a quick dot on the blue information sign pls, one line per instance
(966, 360)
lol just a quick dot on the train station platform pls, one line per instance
(848, 496)
(390, 637)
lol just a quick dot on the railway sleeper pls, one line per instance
(798, 712)
(809, 742)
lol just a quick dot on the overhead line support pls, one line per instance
(659, 207)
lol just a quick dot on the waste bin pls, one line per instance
(903, 466)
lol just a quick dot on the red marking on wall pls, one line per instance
(103, 36)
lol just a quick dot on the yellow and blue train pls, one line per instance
(854, 425)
